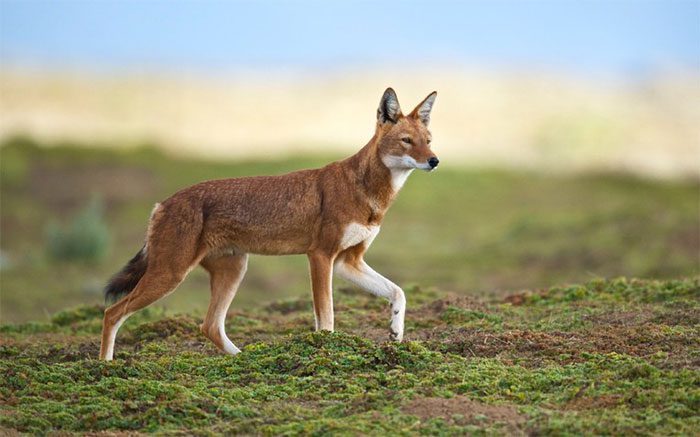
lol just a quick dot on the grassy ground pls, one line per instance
(476, 232)
(607, 357)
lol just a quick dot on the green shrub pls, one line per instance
(86, 238)
(78, 314)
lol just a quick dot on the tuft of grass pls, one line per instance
(76, 315)
(467, 317)
(620, 290)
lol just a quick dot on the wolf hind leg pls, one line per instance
(154, 285)
(169, 261)
(226, 273)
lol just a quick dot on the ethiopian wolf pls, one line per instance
(331, 214)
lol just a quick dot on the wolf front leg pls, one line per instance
(365, 277)
(321, 267)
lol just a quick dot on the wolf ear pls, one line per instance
(422, 111)
(389, 109)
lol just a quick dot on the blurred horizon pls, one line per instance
(557, 86)
(531, 120)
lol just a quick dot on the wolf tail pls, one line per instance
(126, 279)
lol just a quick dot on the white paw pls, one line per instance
(396, 325)
(396, 335)
(231, 348)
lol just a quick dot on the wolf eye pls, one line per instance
(406, 140)
(430, 140)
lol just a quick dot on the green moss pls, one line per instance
(168, 379)
(465, 317)
(621, 290)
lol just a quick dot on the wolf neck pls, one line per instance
(398, 177)
(380, 183)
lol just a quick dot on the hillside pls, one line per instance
(606, 357)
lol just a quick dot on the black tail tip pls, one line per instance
(127, 278)
(115, 291)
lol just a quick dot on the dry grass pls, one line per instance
(530, 120)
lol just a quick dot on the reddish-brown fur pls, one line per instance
(217, 223)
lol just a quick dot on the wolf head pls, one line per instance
(403, 141)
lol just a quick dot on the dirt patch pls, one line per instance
(452, 300)
(378, 335)
(114, 434)
(523, 297)
(517, 299)
(535, 348)
(285, 307)
(181, 326)
(9, 432)
(76, 352)
(580, 403)
(620, 318)
(681, 317)
(429, 314)
(462, 410)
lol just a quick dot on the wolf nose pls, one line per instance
(433, 162)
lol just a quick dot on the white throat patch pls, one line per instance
(398, 177)
(401, 167)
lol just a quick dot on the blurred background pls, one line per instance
(568, 134)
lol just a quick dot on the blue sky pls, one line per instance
(585, 36)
